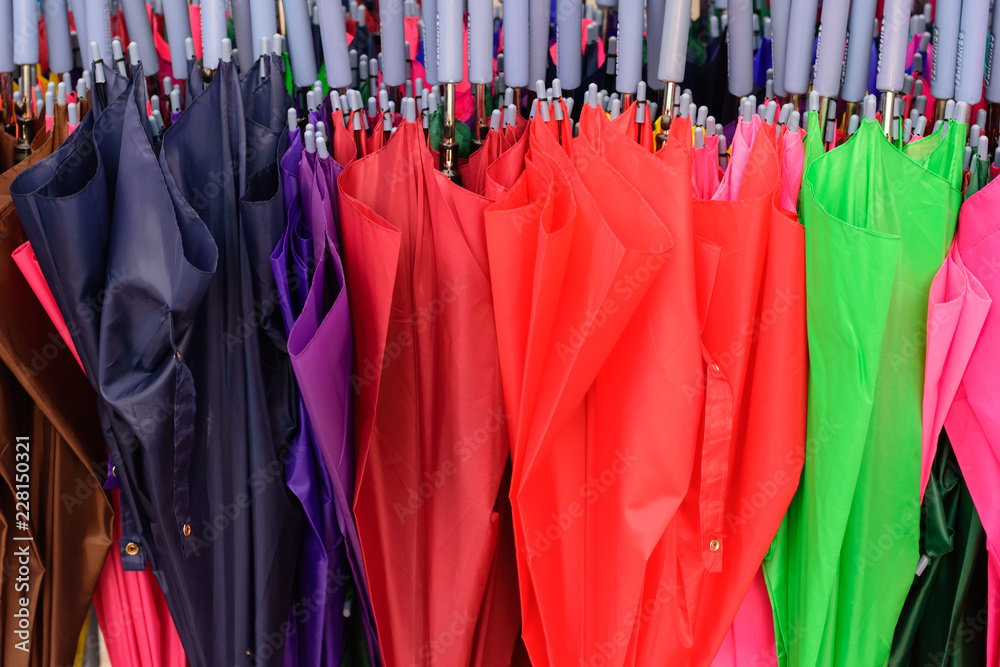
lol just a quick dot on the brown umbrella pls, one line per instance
(45, 396)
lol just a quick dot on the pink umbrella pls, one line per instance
(959, 347)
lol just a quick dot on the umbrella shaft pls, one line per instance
(888, 106)
(482, 122)
(449, 147)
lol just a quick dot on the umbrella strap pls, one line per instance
(184, 415)
(717, 440)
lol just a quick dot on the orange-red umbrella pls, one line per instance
(430, 428)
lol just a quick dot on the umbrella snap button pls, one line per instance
(715, 369)
(186, 529)
(714, 545)
(131, 548)
(114, 471)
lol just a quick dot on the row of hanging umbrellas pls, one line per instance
(609, 400)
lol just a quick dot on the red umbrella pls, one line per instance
(509, 165)
(431, 442)
(640, 132)
(578, 250)
(749, 454)
(497, 142)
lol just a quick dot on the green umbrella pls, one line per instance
(952, 581)
(951, 589)
(878, 225)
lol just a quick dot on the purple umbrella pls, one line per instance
(320, 469)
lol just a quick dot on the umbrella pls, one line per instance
(961, 329)
(56, 474)
(430, 432)
(139, 630)
(642, 132)
(748, 458)
(184, 528)
(706, 174)
(566, 216)
(839, 569)
(316, 312)
(751, 640)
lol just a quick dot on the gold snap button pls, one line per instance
(114, 471)
(715, 369)
(714, 545)
(186, 529)
(131, 548)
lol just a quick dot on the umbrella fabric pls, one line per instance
(184, 523)
(565, 345)
(541, 228)
(750, 641)
(315, 309)
(497, 142)
(136, 624)
(307, 182)
(749, 458)
(57, 474)
(133, 614)
(509, 165)
(945, 615)
(428, 409)
(840, 567)
(740, 148)
(641, 132)
(706, 174)
(971, 417)
(791, 153)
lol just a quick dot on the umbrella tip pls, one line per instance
(227, 50)
(61, 92)
(293, 119)
(813, 101)
(321, 149)
(710, 126)
(74, 114)
(869, 107)
(175, 100)
(495, 119)
(794, 119)
(310, 141)
(616, 108)
(983, 149)
(133, 54)
(189, 48)
(277, 44)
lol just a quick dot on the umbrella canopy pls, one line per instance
(748, 458)
(42, 390)
(193, 362)
(841, 564)
(962, 335)
(430, 435)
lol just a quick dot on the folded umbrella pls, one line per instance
(748, 457)
(430, 435)
(51, 482)
(962, 299)
(840, 565)
(184, 523)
